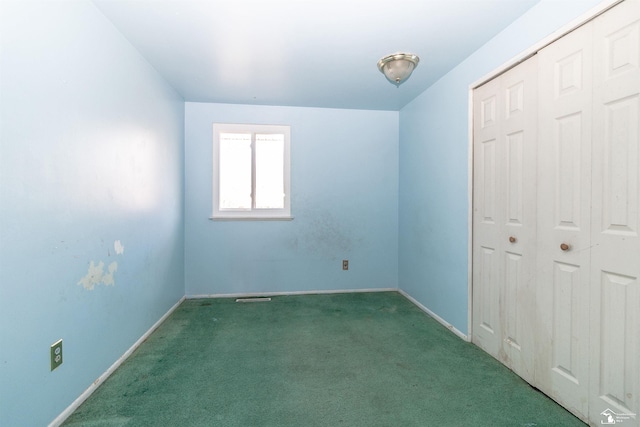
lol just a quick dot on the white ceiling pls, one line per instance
(314, 53)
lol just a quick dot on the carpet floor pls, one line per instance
(357, 359)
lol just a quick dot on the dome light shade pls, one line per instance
(398, 66)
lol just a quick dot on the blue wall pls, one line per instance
(91, 171)
(344, 181)
(98, 239)
(434, 190)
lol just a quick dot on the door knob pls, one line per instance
(565, 247)
(512, 239)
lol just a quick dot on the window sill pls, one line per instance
(251, 218)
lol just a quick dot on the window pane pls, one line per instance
(235, 171)
(269, 171)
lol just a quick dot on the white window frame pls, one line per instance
(251, 213)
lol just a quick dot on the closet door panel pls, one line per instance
(564, 205)
(504, 216)
(519, 130)
(615, 271)
(488, 196)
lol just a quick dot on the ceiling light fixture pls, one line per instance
(398, 66)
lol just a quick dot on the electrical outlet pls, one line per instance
(56, 354)
(345, 264)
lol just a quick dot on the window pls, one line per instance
(251, 172)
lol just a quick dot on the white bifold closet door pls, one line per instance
(556, 218)
(615, 218)
(504, 217)
(564, 219)
(588, 291)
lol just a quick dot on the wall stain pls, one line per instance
(96, 275)
(324, 234)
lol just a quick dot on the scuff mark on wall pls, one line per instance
(96, 275)
(327, 235)
(119, 248)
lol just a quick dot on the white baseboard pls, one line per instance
(336, 291)
(435, 316)
(271, 294)
(85, 395)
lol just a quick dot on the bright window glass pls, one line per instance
(235, 171)
(269, 171)
(251, 172)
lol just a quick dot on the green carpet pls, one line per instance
(361, 359)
